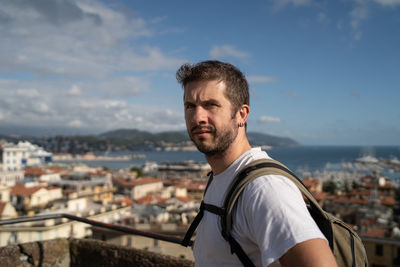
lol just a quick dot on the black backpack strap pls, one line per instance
(214, 209)
(192, 228)
(210, 178)
(187, 239)
(237, 249)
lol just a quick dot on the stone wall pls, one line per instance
(82, 252)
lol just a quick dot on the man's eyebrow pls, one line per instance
(187, 102)
(211, 101)
(206, 101)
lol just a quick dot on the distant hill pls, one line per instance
(126, 133)
(133, 134)
(258, 139)
(129, 140)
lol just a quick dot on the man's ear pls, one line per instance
(243, 113)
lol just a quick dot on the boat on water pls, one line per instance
(367, 160)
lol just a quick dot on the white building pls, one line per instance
(17, 156)
(5, 193)
(138, 188)
(29, 198)
(10, 178)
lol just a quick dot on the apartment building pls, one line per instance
(17, 156)
(97, 188)
(383, 246)
(31, 198)
(138, 188)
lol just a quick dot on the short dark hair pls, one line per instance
(237, 88)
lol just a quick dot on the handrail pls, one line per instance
(117, 227)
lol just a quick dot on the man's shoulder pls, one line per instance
(270, 184)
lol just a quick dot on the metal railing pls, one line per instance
(116, 227)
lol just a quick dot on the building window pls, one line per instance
(379, 250)
(13, 238)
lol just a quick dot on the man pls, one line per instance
(270, 221)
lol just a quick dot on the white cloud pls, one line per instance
(114, 104)
(76, 38)
(279, 4)
(260, 79)
(96, 45)
(75, 123)
(358, 15)
(361, 12)
(227, 51)
(27, 93)
(74, 91)
(269, 119)
(388, 3)
(41, 107)
(323, 17)
(93, 112)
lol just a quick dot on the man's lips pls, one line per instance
(196, 130)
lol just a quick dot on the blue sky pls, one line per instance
(320, 72)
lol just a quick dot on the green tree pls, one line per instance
(346, 185)
(329, 187)
(355, 185)
(138, 171)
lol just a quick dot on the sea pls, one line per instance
(297, 158)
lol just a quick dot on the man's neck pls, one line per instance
(221, 162)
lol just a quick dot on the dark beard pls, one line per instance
(222, 141)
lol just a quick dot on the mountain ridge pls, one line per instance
(255, 138)
(131, 139)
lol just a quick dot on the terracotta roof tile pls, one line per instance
(38, 171)
(360, 201)
(388, 201)
(379, 231)
(342, 199)
(319, 196)
(21, 190)
(125, 200)
(151, 199)
(136, 182)
(185, 199)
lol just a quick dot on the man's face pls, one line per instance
(208, 115)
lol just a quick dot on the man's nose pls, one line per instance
(199, 115)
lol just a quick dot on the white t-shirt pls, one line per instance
(270, 218)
